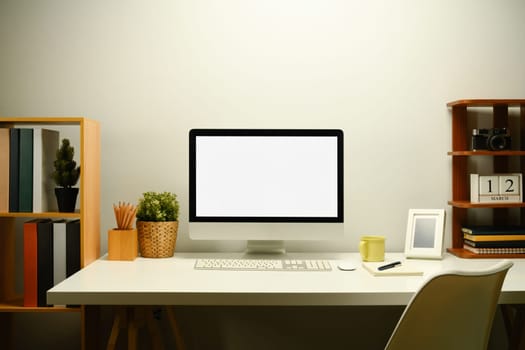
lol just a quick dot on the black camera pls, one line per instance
(495, 139)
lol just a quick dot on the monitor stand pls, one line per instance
(265, 247)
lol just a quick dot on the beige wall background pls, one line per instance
(380, 70)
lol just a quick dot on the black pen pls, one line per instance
(389, 266)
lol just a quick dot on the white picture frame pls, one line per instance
(425, 233)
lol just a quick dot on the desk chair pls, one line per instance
(452, 310)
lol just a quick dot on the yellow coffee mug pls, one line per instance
(372, 248)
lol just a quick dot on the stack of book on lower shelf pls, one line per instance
(494, 239)
(51, 254)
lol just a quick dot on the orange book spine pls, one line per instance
(30, 263)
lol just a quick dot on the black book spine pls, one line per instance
(25, 171)
(495, 244)
(14, 154)
(44, 260)
(72, 247)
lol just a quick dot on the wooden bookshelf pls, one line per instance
(88, 158)
(499, 161)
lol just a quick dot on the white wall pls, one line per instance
(381, 70)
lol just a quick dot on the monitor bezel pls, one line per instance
(195, 133)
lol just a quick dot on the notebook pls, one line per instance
(407, 268)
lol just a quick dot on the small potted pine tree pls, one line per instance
(66, 176)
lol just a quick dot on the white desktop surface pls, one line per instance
(174, 281)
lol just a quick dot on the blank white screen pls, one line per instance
(266, 176)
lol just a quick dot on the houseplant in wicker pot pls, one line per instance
(66, 176)
(157, 214)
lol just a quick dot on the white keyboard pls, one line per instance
(263, 265)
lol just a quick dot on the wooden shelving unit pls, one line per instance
(461, 154)
(88, 213)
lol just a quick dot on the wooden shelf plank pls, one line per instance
(17, 305)
(486, 153)
(44, 120)
(487, 102)
(75, 215)
(468, 204)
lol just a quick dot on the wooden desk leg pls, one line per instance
(118, 322)
(175, 328)
(125, 318)
(135, 317)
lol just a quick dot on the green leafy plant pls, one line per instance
(156, 206)
(66, 172)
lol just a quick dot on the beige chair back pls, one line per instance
(452, 310)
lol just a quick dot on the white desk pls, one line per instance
(174, 281)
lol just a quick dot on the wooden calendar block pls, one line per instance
(500, 188)
(510, 185)
(474, 188)
(489, 185)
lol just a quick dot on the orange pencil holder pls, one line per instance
(122, 244)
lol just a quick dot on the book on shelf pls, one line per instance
(59, 251)
(14, 161)
(30, 263)
(494, 250)
(25, 171)
(494, 230)
(4, 170)
(66, 248)
(495, 244)
(72, 247)
(44, 260)
(493, 238)
(45, 144)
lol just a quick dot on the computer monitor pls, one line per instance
(266, 185)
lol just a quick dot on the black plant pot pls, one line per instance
(66, 198)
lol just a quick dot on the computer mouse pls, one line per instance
(347, 266)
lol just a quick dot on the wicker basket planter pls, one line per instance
(157, 238)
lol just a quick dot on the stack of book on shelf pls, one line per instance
(26, 166)
(494, 239)
(51, 254)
